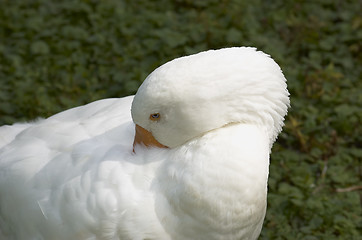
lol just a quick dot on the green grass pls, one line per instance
(59, 54)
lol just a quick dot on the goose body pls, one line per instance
(81, 175)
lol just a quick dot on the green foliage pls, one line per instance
(58, 54)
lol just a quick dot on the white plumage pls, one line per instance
(75, 175)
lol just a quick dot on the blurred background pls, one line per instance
(55, 55)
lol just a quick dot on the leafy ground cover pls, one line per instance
(58, 54)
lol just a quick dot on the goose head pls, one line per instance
(192, 95)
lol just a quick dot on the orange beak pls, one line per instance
(146, 138)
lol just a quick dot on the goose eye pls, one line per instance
(155, 116)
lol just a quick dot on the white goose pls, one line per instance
(205, 125)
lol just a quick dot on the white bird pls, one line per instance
(196, 169)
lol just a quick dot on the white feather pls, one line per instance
(75, 176)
